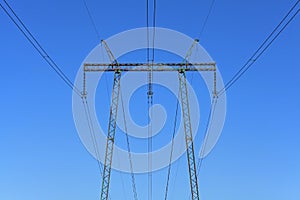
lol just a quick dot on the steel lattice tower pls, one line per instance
(118, 68)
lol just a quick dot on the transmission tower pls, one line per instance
(118, 68)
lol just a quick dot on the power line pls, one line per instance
(38, 47)
(150, 90)
(147, 25)
(207, 17)
(150, 104)
(91, 130)
(154, 29)
(42, 52)
(207, 132)
(122, 182)
(94, 138)
(91, 19)
(135, 196)
(92, 133)
(262, 48)
(171, 154)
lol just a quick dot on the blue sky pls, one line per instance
(257, 156)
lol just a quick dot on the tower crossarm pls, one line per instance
(135, 67)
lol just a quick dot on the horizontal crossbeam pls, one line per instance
(135, 67)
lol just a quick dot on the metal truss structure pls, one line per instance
(118, 68)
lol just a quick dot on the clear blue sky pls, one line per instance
(257, 156)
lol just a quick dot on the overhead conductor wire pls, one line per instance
(207, 17)
(262, 48)
(42, 52)
(171, 154)
(91, 19)
(150, 91)
(135, 195)
(38, 47)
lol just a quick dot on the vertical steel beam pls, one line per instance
(215, 82)
(188, 134)
(111, 135)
